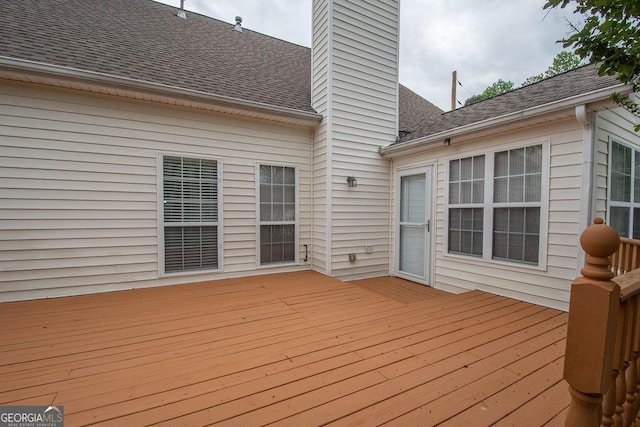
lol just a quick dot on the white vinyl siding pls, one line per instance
(614, 125)
(190, 217)
(548, 283)
(277, 222)
(321, 64)
(79, 189)
(355, 54)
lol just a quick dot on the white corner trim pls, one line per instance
(329, 133)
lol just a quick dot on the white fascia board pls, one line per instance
(436, 139)
(20, 65)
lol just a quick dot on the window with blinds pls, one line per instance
(277, 214)
(190, 223)
(466, 205)
(516, 200)
(624, 190)
(494, 205)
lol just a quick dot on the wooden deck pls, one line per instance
(294, 349)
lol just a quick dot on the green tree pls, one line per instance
(610, 37)
(495, 89)
(564, 61)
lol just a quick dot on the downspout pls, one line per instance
(586, 195)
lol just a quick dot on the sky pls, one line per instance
(482, 40)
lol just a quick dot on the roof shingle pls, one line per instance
(146, 41)
(566, 85)
(413, 109)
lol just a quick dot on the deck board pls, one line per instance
(290, 349)
(399, 289)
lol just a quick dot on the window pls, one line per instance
(624, 190)
(466, 198)
(277, 217)
(190, 226)
(516, 196)
(495, 203)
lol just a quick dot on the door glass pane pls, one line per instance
(412, 232)
(412, 249)
(413, 194)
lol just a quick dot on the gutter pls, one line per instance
(437, 139)
(18, 65)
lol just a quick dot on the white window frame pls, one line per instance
(160, 215)
(470, 205)
(296, 222)
(489, 206)
(631, 204)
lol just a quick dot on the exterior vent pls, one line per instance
(181, 13)
(238, 26)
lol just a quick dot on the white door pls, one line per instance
(413, 230)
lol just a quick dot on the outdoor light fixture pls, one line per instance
(352, 181)
(447, 142)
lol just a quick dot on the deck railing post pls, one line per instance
(591, 329)
(630, 407)
(612, 409)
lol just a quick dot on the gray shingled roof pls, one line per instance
(572, 83)
(146, 41)
(413, 109)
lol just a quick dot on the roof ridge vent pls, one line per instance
(238, 26)
(181, 13)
